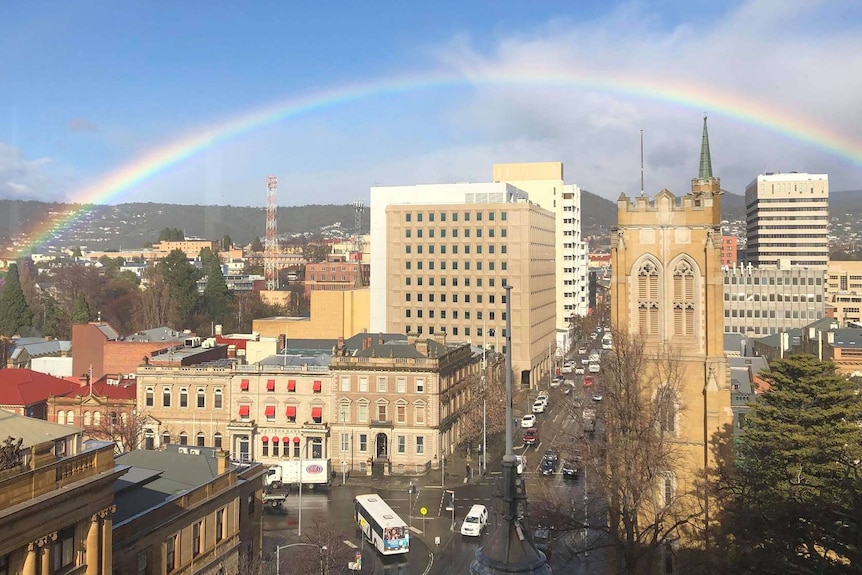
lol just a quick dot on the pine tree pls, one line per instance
(796, 503)
(14, 311)
(181, 278)
(81, 310)
(256, 246)
(216, 298)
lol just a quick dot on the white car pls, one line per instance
(582, 351)
(520, 464)
(475, 521)
(528, 421)
(542, 394)
(556, 382)
(598, 397)
(539, 406)
(579, 370)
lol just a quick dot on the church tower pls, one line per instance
(666, 287)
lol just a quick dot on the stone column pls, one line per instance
(107, 539)
(46, 543)
(92, 554)
(30, 560)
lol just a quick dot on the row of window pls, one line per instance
(466, 315)
(409, 233)
(453, 216)
(455, 282)
(316, 385)
(345, 384)
(444, 265)
(90, 418)
(182, 439)
(772, 280)
(173, 542)
(244, 413)
(381, 412)
(771, 314)
(400, 444)
(167, 397)
(456, 298)
(455, 331)
(791, 298)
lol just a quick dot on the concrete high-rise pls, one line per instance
(441, 256)
(543, 181)
(787, 219)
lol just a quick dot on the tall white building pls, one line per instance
(543, 182)
(787, 220)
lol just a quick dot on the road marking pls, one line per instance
(414, 530)
(350, 544)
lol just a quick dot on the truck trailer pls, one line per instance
(310, 472)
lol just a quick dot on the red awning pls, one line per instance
(317, 386)
(244, 410)
(291, 385)
(316, 412)
(291, 411)
(295, 439)
(274, 439)
(270, 411)
(243, 386)
(270, 385)
(265, 439)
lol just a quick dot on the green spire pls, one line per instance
(705, 159)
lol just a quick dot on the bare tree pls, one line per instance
(122, 425)
(630, 463)
(494, 395)
(154, 304)
(321, 552)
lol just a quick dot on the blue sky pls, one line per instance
(88, 87)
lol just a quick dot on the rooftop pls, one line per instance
(32, 431)
(26, 387)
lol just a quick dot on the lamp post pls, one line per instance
(299, 520)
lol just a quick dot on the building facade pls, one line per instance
(729, 247)
(56, 500)
(543, 181)
(666, 287)
(844, 291)
(399, 403)
(333, 314)
(787, 219)
(766, 300)
(448, 265)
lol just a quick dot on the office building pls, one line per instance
(844, 292)
(787, 220)
(441, 267)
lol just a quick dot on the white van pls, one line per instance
(475, 521)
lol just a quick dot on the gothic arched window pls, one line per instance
(648, 298)
(683, 299)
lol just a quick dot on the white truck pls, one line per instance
(311, 472)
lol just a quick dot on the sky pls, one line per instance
(196, 102)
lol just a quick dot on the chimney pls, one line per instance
(222, 461)
(218, 329)
(380, 339)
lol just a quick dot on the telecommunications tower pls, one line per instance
(270, 271)
(358, 210)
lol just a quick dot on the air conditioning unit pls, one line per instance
(182, 449)
(195, 451)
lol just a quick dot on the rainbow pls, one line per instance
(160, 159)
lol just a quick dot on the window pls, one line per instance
(381, 412)
(420, 445)
(402, 444)
(344, 412)
(171, 553)
(143, 563)
(202, 398)
(184, 438)
(317, 414)
(200, 439)
(667, 410)
(219, 525)
(269, 413)
(381, 385)
(401, 384)
(217, 440)
(668, 489)
(245, 413)
(217, 400)
(64, 549)
(61, 417)
(317, 386)
(363, 413)
(166, 437)
(401, 413)
(363, 383)
(149, 397)
(345, 383)
(420, 385)
(244, 385)
(184, 397)
(270, 385)
(363, 442)
(88, 419)
(648, 308)
(196, 538)
(345, 442)
(683, 299)
(290, 413)
(264, 449)
(166, 397)
(251, 505)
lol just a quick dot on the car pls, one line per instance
(475, 521)
(557, 382)
(528, 421)
(579, 370)
(539, 406)
(531, 436)
(595, 367)
(598, 397)
(543, 394)
(589, 380)
(567, 369)
(542, 539)
(567, 389)
(551, 454)
(585, 361)
(520, 464)
(570, 469)
(582, 351)
(548, 467)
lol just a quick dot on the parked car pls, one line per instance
(531, 436)
(528, 421)
(548, 467)
(539, 406)
(543, 394)
(582, 351)
(588, 380)
(542, 539)
(520, 464)
(567, 389)
(598, 397)
(579, 370)
(570, 469)
(475, 521)
(551, 454)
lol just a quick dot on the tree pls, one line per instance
(629, 462)
(153, 309)
(299, 304)
(493, 412)
(216, 298)
(181, 278)
(322, 551)
(793, 493)
(81, 310)
(316, 252)
(256, 246)
(247, 307)
(226, 243)
(122, 425)
(171, 235)
(15, 314)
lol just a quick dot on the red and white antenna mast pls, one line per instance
(270, 271)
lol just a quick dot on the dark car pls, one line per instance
(551, 455)
(570, 469)
(531, 436)
(548, 467)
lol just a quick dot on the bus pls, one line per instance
(380, 525)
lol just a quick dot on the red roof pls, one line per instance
(239, 343)
(27, 387)
(127, 389)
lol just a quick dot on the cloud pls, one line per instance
(81, 125)
(23, 179)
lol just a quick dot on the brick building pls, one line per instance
(27, 392)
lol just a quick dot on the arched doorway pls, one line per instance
(381, 449)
